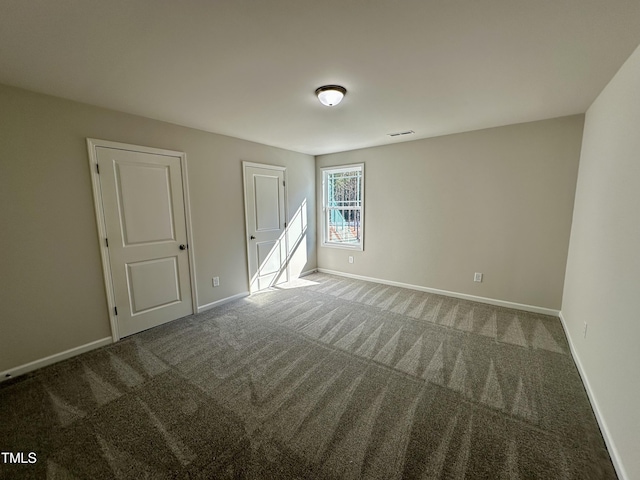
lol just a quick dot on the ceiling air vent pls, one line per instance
(398, 134)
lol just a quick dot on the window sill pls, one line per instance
(344, 246)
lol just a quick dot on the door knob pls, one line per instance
(183, 247)
(252, 237)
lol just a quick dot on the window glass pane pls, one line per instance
(344, 225)
(344, 189)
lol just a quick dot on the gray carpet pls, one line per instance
(336, 378)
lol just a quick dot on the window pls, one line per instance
(343, 206)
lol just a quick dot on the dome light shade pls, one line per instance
(331, 95)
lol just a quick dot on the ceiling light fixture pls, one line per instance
(331, 95)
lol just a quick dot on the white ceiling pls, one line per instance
(249, 68)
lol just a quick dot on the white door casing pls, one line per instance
(143, 219)
(265, 215)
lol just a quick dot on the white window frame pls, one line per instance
(326, 171)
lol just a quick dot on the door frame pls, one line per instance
(246, 164)
(92, 145)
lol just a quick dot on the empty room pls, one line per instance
(325, 240)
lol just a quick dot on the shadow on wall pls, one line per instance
(289, 251)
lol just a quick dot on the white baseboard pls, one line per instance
(613, 452)
(51, 359)
(463, 296)
(211, 305)
(308, 272)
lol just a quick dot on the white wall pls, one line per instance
(51, 289)
(496, 201)
(602, 285)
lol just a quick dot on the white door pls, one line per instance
(264, 190)
(144, 216)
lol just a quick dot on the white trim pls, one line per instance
(246, 220)
(323, 231)
(608, 440)
(51, 359)
(211, 305)
(102, 234)
(240, 295)
(92, 144)
(189, 231)
(262, 165)
(463, 296)
(265, 166)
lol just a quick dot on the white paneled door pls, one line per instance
(264, 190)
(145, 221)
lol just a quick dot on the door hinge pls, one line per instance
(116, 310)
(284, 184)
(285, 224)
(106, 240)
(98, 168)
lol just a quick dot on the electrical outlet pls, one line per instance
(216, 281)
(477, 277)
(584, 331)
(350, 258)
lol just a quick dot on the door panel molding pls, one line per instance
(129, 219)
(92, 146)
(144, 299)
